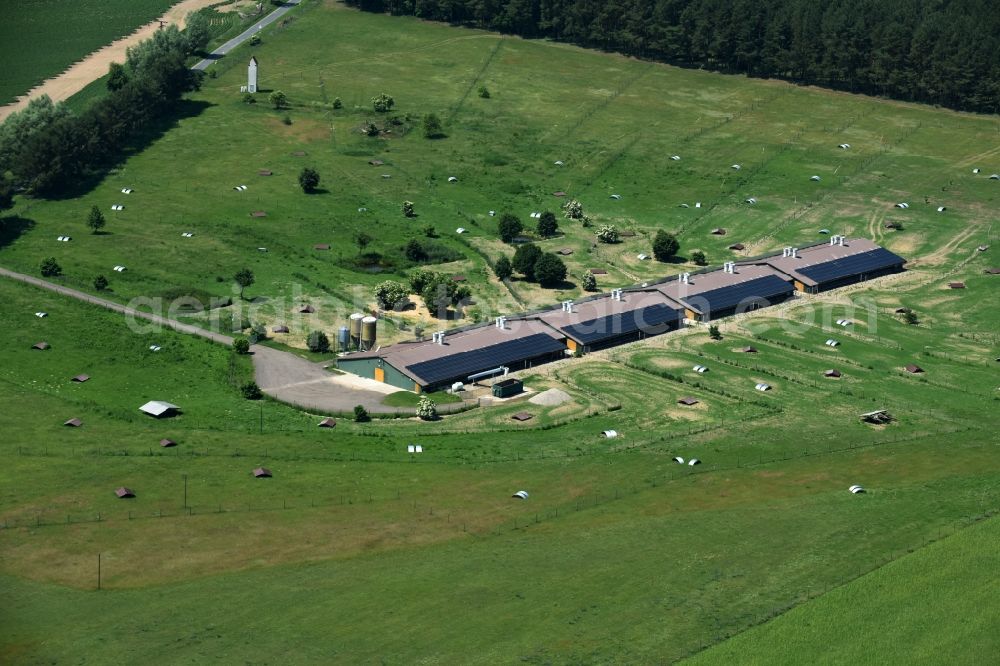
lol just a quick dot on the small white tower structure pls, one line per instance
(252, 75)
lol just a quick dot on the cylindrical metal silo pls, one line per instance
(343, 338)
(356, 327)
(368, 332)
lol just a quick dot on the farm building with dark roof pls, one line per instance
(624, 315)
(835, 264)
(454, 357)
(720, 293)
(610, 320)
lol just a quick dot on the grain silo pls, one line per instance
(356, 328)
(368, 332)
(343, 338)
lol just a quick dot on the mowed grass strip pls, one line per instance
(926, 607)
(654, 576)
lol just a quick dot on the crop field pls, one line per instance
(356, 551)
(69, 29)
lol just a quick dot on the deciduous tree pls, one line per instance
(665, 246)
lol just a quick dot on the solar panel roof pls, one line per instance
(649, 319)
(864, 262)
(724, 298)
(463, 364)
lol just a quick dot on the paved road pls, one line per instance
(296, 381)
(281, 375)
(246, 34)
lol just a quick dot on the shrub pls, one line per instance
(484, 92)
(251, 391)
(665, 246)
(317, 342)
(50, 268)
(503, 268)
(100, 283)
(414, 251)
(258, 332)
(241, 346)
(95, 219)
(427, 409)
(278, 99)
(440, 292)
(248, 98)
(524, 260)
(509, 227)
(361, 414)
(713, 332)
(573, 209)
(910, 317)
(547, 225)
(419, 280)
(589, 281)
(371, 129)
(383, 103)
(432, 126)
(390, 295)
(550, 270)
(408, 209)
(338, 103)
(698, 257)
(608, 233)
(309, 180)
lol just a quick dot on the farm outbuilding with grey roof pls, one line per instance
(159, 408)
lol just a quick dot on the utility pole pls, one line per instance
(98, 571)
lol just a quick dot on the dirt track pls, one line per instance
(282, 375)
(95, 65)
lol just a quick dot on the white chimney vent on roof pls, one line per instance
(795, 253)
(567, 306)
(840, 241)
(616, 294)
(786, 252)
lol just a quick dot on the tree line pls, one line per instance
(932, 51)
(46, 148)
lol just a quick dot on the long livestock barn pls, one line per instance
(835, 264)
(623, 315)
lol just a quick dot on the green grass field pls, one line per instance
(610, 119)
(356, 551)
(69, 30)
(893, 615)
